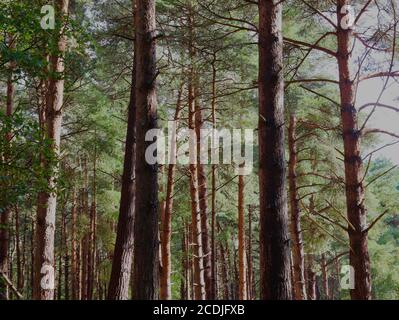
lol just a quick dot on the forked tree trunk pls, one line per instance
(355, 197)
(295, 225)
(44, 272)
(165, 283)
(274, 236)
(146, 260)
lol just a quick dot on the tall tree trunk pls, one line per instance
(79, 251)
(249, 255)
(19, 252)
(146, 261)
(225, 278)
(274, 236)
(337, 270)
(32, 256)
(165, 290)
(60, 255)
(242, 263)
(324, 276)
(123, 252)
(66, 258)
(86, 237)
(203, 198)
(6, 213)
(191, 267)
(25, 252)
(357, 214)
(185, 282)
(199, 281)
(296, 231)
(74, 248)
(47, 200)
(214, 292)
(235, 283)
(311, 279)
(92, 234)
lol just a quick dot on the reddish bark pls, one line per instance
(165, 290)
(355, 195)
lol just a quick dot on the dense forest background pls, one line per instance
(83, 216)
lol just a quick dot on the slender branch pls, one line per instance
(320, 13)
(341, 215)
(380, 148)
(392, 134)
(10, 284)
(375, 221)
(327, 232)
(382, 105)
(337, 257)
(309, 45)
(320, 95)
(330, 220)
(381, 175)
(392, 74)
(312, 80)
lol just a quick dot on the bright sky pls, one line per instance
(383, 118)
(369, 90)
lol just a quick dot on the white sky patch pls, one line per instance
(383, 118)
